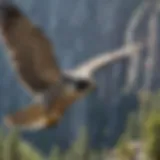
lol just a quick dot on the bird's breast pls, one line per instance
(58, 110)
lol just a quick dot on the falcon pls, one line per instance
(33, 59)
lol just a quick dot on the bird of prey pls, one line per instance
(35, 65)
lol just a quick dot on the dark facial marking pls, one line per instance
(79, 84)
(82, 84)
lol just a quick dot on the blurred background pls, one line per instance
(79, 30)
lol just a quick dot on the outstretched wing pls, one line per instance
(35, 117)
(31, 118)
(87, 69)
(30, 50)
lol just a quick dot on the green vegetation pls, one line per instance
(13, 148)
(124, 151)
(143, 130)
(143, 127)
(151, 134)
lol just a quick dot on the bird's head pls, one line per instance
(78, 85)
(84, 85)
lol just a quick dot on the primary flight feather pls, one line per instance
(31, 52)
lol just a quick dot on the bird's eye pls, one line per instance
(82, 84)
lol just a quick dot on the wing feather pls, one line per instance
(90, 67)
(31, 52)
(34, 117)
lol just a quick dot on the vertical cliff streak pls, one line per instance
(130, 37)
(151, 47)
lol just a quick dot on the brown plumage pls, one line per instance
(34, 116)
(34, 62)
(30, 50)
